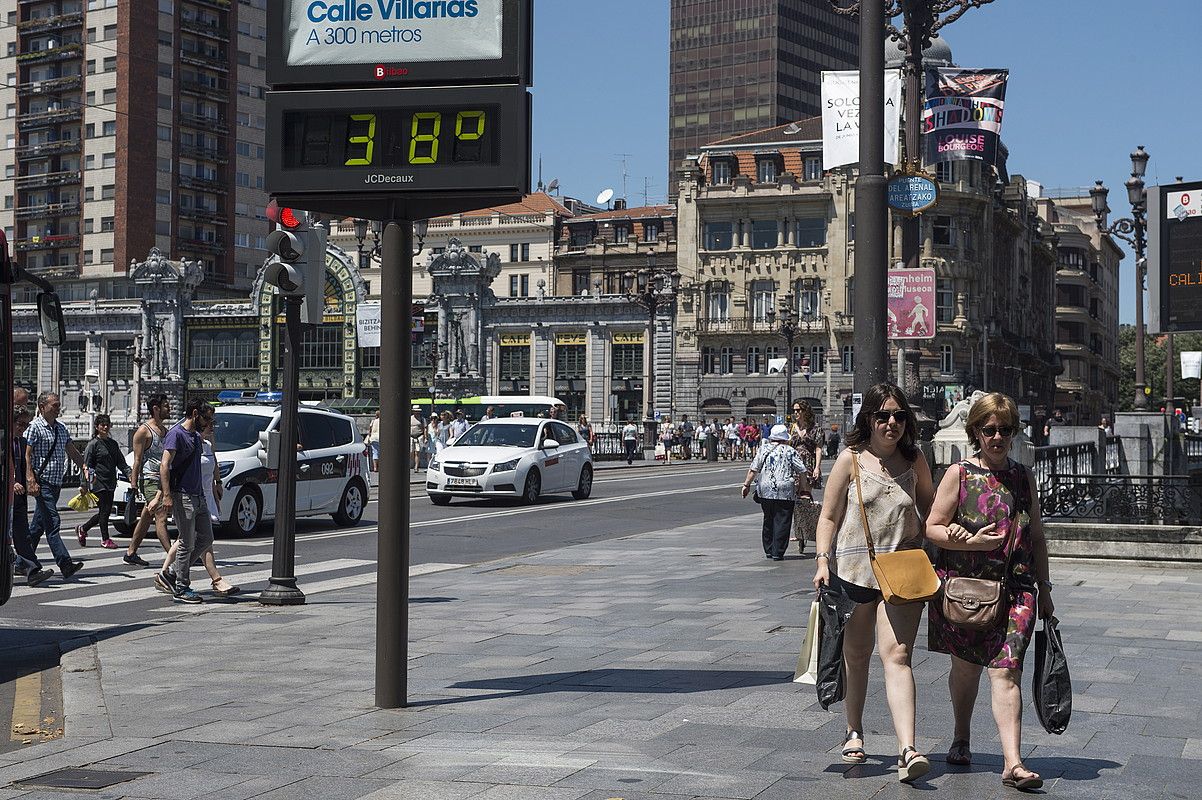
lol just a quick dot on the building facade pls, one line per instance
(132, 126)
(746, 65)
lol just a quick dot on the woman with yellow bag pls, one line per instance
(102, 460)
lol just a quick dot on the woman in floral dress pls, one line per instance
(985, 520)
(803, 439)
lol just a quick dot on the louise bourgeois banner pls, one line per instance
(962, 114)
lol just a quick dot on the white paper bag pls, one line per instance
(807, 661)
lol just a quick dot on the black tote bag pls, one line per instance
(834, 611)
(1050, 684)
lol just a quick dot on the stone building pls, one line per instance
(763, 228)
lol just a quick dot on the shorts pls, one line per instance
(856, 593)
(151, 487)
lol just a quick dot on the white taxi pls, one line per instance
(512, 457)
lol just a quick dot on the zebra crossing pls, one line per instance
(107, 580)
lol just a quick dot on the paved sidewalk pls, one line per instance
(652, 667)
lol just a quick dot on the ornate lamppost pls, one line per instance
(788, 330)
(1132, 230)
(361, 230)
(652, 288)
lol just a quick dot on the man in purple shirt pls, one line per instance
(184, 499)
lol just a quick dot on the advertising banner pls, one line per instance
(911, 303)
(1175, 257)
(367, 324)
(387, 32)
(962, 114)
(841, 117)
(1191, 364)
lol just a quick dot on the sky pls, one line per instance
(1089, 81)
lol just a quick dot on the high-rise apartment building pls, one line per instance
(745, 65)
(132, 125)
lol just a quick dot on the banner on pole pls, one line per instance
(911, 303)
(1191, 364)
(367, 324)
(962, 114)
(841, 117)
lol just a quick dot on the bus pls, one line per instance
(503, 405)
(50, 315)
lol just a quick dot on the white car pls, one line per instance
(331, 467)
(512, 457)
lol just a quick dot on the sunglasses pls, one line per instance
(899, 416)
(989, 431)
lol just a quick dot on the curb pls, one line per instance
(79, 665)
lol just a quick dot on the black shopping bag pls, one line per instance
(834, 610)
(1050, 684)
(131, 509)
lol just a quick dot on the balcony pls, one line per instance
(47, 210)
(211, 29)
(46, 242)
(203, 184)
(203, 153)
(44, 180)
(48, 149)
(205, 123)
(49, 86)
(734, 325)
(204, 215)
(218, 93)
(59, 116)
(221, 5)
(63, 53)
(215, 246)
(73, 20)
(216, 61)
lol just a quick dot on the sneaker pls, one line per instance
(164, 583)
(184, 594)
(81, 536)
(38, 576)
(108, 544)
(135, 560)
(70, 568)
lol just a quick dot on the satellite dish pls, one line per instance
(605, 196)
(553, 185)
(792, 128)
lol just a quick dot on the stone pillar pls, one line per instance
(1142, 441)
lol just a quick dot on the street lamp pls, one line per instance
(788, 330)
(361, 230)
(652, 288)
(1133, 231)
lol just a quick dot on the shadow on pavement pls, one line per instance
(27, 650)
(635, 681)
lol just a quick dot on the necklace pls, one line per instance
(984, 463)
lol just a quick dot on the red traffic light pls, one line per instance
(286, 217)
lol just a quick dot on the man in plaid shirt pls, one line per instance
(45, 462)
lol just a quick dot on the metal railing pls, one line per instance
(1070, 459)
(1114, 463)
(1122, 499)
(608, 446)
(1192, 444)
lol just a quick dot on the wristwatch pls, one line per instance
(827, 556)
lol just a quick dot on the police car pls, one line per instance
(331, 467)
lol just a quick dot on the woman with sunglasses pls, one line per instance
(804, 439)
(895, 483)
(986, 523)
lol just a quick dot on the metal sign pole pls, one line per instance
(281, 589)
(392, 543)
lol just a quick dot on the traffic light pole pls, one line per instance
(281, 589)
(392, 541)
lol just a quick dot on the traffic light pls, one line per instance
(299, 246)
(269, 449)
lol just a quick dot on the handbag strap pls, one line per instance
(855, 470)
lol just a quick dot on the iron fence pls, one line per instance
(1069, 459)
(1122, 499)
(607, 443)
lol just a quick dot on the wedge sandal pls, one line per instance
(911, 765)
(854, 755)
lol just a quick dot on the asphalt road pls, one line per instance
(328, 558)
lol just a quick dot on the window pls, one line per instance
(947, 359)
(525, 251)
(73, 360)
(763, 299)
(109, 128)
(571, 362)
(721, 172)
(813, 168)
(222, 349)
(650, 231)
(316, 432)
(851, 227)
(945, 301)
(580, 282)
(942, 231)
(515, 363)
(627, 361)
(121, 359)
(25, 365)
(719, 235)
(943, 172)
(513, 255)
(475, 248)
(765, 170)
(621, 233)
(726, 361)
(755, 362)
(798, 359)
(717, 302)
(810, 232)
(849, 359)
(818, 359)
(763, 234)
(809, 298)
(369, 358)
(321, 348)
(709, 360)
(519, 285)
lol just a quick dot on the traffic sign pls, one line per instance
(911, 194)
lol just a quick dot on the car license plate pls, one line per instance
(461, 482)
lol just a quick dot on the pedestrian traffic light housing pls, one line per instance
(299, 246)
(269, 449)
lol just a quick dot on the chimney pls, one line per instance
(619, 204)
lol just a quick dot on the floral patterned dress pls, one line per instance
(986, 496)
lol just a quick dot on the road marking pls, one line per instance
(430, 569)
(141, 572)
(27, 707)
(694, 471)
(133, 595)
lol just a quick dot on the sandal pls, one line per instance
(222, 588)
(959, 754)
(854, 755)
(1031, 781)
(911, 765)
